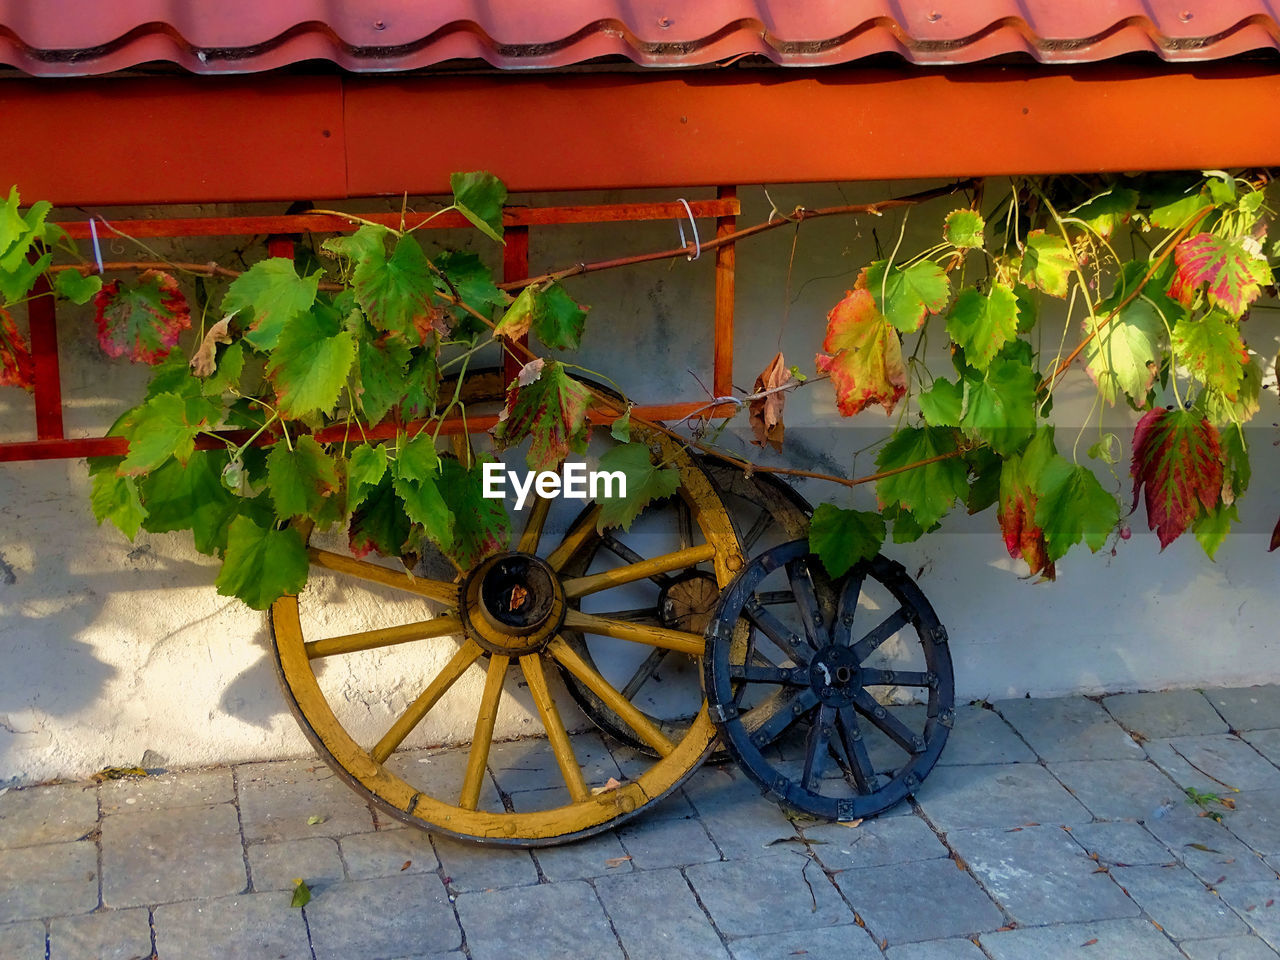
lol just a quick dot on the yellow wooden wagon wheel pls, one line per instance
(507, 614)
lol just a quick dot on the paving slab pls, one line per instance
(57, 879)
(598, 856)
(741, 821)
(1174, 898)
(874, 843)
(1040, 876)
(954, 949)
(1256, 821)
(247, 927)
(164, 791)
(439, 772)
(550, 921)
(54, 814)
(278, 799)
(1248, 708)
(1069, 728)
(1209, 849)
(769, 894)
(1215, 764)
(849, 942)
(667, 843)
(980, 735)
(1117, 789)
(925, 900)
(1109, 939)
(1228, 948)
(1121, 844)
(389, 917)
(530, 764)
(1258, 904)
(657, 917)
(101, 935)
(22, 941)
(468, 866)
(388, 853)
(174, 854)
(1003, 795)
(275, 866)
(1172, 713)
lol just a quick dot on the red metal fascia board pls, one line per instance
(173, 140)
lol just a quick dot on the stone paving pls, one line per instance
(1050, 829)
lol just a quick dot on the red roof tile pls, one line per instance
(75, 38)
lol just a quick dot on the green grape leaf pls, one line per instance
(983, 324)
(1211, 528)
(620, 429)
(927, 491)
(863, 356)
(421, 385)
(383, 362)
(985, 467)
(77, 287)
(1177, 461)
(644, 484)
(1047, 263)
(174, 375)
(191, 498)
(301, 893)
(905, 296)
(1238, 470)
(1000, 408)
(518, 318)
(481, 526)
(1103, 213)
(552, 410)
(309, 365)
(479, 196)
(303, 481)
(1172, 208)
(115, 498)
(906, 529)
(165, 426)
(474, 284)
(226, 375)
(262, 564)
(1232, 268)
(17, 233)
(963, 229)
(1223, 410)
(550, 312)
(17, 367)
(380, 522)
(942, 403)
(272, 294)
(1211, 349)
(1125, 354)
(365, 470)
(416, 476)
(1028, 310)
(142, 321)
(842, 538)
(1072, 506)
(395, 292)
(16, 283)
(1023, 536)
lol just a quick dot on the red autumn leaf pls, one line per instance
(1275, 538)
(1023, 538)
(1177, 458)
(1230, 266)
(17, 369)
(865, 355)
(765, 413)
(143, 321)
(552, 410)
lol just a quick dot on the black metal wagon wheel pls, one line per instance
(856, 705)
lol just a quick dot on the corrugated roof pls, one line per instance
(78, 38)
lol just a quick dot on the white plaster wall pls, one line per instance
(109, 649)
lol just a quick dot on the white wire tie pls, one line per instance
(697, 244)
(97, 250)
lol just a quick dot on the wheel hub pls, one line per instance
(512, 604)
(687, 603)
(835, 676)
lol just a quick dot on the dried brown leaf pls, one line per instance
(616, 861)
(765, 413)
(406, 865)
(202, 363)
(610, 784)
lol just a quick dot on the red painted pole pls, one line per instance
(43, 319)
(515, 266)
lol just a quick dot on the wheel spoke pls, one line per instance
(891, 726)
(531, 664)
(364, 570)
(771, 598)
(467, 654)
(762, 523)
(783, 710)
(533, 528)
(645, 671)
(854, 749)
(842, 632)
(647, 615)
(871, 642)
(753, 673)
(639, 570)
(693, 644)
(575, 539)
(807, 602)
(894, 678)
(773, 628)
(815, 751)
(372, 639)
(615, 701)
(482, 739)
(684, 523)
